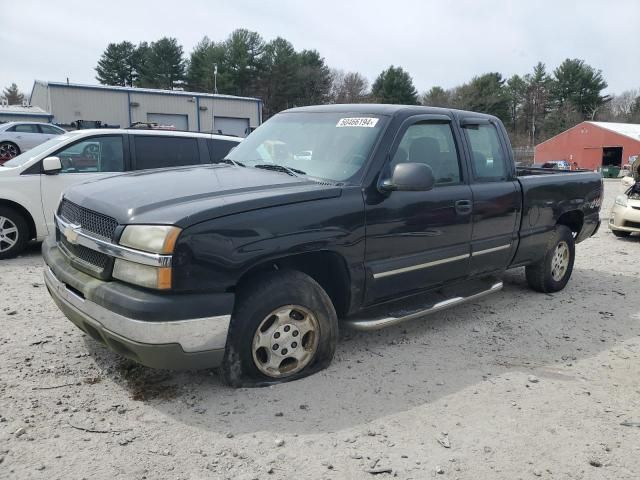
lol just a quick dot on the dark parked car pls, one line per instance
(360, 215)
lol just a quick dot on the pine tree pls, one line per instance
(13, 95)
(117, 65)
(394, 85)
(161, 64)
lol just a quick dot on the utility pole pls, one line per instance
(215, 78)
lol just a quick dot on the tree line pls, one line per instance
(533, 106)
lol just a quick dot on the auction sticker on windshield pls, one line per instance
(357, 122)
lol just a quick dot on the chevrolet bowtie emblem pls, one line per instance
(71, 233)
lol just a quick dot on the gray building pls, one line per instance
(23, 113)
(193, 111)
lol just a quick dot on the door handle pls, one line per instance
(464, 207)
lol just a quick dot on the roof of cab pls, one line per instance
(384, 109)
(162, 133)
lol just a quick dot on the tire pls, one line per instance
(8, 150)
(14, 233)
(278, 304)
(552, 273)
(621, 233)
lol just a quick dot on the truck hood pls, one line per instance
(185, 196)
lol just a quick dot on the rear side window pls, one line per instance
(25, 128)
(161, 152)
(487, 155)
(218, 149)
(49, 130)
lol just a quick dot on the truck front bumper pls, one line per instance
(152, 340)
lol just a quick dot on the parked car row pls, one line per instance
(357, 215)
(32, 183)
(18, 137)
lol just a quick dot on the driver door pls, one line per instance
(420, 240)
(84, 160)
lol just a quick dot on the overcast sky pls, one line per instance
(439, 43)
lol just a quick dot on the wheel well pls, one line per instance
(573, 219)
(329, 269)
(25, 213)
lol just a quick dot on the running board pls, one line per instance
(386, 315)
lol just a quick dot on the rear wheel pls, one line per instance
(552, 273)
(621, 233)
(14, 233)
(8, 150)
(284, 327)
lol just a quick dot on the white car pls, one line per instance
(18, 137)
(31, 183)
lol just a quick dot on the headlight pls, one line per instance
(143, 275)
(621, 200)
(150, 238)
(159, 239)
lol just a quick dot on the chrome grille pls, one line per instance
(90, 221)
(97, 261)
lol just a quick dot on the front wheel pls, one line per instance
(552, 273)
(284, 327)
(14, 233)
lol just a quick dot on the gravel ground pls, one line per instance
(516, 385)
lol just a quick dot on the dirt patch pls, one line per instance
(517, 385)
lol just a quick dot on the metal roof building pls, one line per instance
(593, 145)
(122, 106)
(14, 113)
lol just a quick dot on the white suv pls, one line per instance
(31, 183)
(18, 137)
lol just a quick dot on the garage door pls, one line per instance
(232, 126)
(181, 122)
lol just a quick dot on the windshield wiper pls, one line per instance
(294, 172)
(232, 162)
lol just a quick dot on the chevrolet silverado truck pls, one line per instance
(360, 216)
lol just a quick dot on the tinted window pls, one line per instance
(487, 156)
(218, 149)
(96, 154)
(159, 152)
(24, 128)
(433, 144)
(49, 130)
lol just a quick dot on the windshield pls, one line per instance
(332, 146)
(35, 151)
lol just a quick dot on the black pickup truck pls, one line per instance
(328, 216)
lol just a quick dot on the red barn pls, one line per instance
(592, 145)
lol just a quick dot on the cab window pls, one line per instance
(432, 144)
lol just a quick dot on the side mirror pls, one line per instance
(410, 177)
(51, 165)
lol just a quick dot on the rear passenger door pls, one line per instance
(158, 151)
(496, 196)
